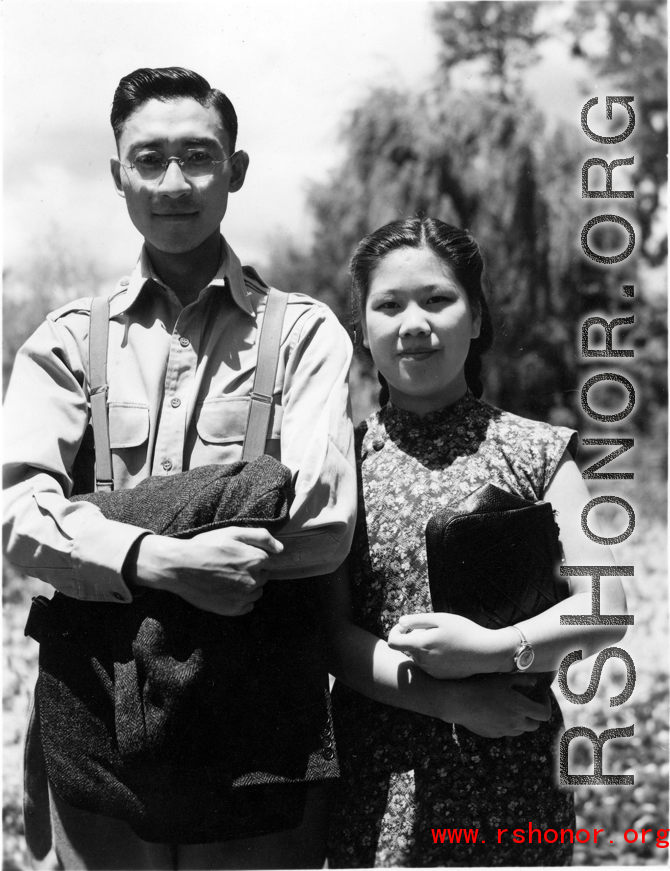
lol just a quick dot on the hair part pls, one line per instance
(169, 83)
(457, 249)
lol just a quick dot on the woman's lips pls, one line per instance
(416, 353)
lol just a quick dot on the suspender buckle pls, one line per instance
(261, 397)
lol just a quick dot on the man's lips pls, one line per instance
(174, 214)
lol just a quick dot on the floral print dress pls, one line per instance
(405, 774)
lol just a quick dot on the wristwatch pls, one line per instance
(524, 656)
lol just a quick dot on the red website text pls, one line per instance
(534, 835)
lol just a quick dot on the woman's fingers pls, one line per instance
(408, 622)
(538, 710)
(400, 639)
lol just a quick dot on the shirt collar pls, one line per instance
(228, 274)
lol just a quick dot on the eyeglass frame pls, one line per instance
(180, 162)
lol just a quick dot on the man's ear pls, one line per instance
(115, 167)
(240, 165)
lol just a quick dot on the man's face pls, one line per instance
(176, 214)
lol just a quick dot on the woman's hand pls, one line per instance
(491, 706)
(449, 646)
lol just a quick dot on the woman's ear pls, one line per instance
(476, 325)
(364, 329)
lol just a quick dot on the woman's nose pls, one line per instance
(415, 321)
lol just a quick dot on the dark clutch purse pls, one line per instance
(492, 558)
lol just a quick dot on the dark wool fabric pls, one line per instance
(209, 497)
(189, 726)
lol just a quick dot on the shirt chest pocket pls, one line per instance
(221, 425)
(128, 439)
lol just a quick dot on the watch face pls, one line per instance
(525, 658)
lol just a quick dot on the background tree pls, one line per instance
(625, 43)
(483, 158)
(57, 273)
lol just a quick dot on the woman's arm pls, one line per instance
(488, 705)
(448, 646)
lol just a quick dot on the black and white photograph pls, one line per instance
(335, 434)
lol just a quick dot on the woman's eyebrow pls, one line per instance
(426, 288)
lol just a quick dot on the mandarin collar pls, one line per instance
(393, 418)
(228, 274)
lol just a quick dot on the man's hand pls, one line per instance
(222, 571)
(489, 705)
(449, 646)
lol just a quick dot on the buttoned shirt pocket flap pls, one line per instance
(128, 424)
(224, 420)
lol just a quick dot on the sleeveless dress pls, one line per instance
(405, 774)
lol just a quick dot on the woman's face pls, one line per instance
(418, 325)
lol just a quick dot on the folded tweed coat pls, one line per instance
(189, 726)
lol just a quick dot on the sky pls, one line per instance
(292, 69)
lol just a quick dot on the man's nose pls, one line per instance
(174, 183)
(415, 321)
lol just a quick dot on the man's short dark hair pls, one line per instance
(169, 83)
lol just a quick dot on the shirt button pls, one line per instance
(124, 282)
(167, 465)
(117, 596)
(183, 341)
(175, 403)
(378, 443)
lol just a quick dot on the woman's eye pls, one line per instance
(386, 305)
(438, 299)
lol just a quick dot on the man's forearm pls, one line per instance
(70, 546)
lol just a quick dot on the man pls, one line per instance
(182, 352)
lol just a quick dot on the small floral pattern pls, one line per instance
(404, 774)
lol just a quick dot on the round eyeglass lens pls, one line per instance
(195, 164)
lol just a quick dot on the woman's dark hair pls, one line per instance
(457, 249)
(169, 83)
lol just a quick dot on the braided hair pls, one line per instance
(454, 247)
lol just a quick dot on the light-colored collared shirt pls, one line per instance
(179, 384)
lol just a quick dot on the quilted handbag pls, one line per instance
(492, 558)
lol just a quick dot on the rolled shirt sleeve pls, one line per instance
(317, 443)
(69, 545)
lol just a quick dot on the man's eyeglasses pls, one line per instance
(152, 166)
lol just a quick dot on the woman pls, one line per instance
(433, 729)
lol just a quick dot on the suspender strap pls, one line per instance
(260, 406)
(97, 355)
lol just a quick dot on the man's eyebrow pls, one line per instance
(158, 143)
